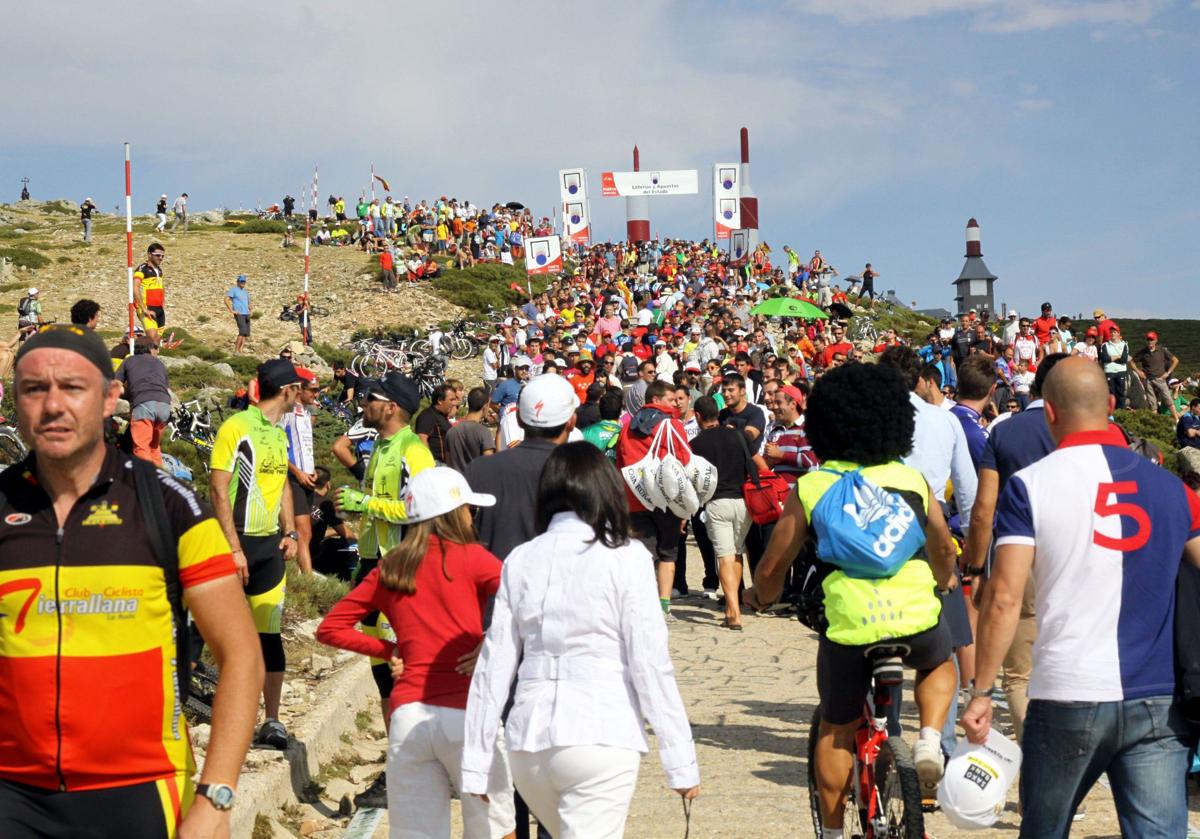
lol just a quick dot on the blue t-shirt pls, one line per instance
(507, 393)
(241, 300)
(977, 435)
(1017, 442)
(1187, 421)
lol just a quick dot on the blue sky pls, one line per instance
(1069, 129)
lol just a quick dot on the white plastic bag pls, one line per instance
(703, 475)
(642, 477)
(674, 480)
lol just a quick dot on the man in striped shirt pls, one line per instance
(787, 450)
(302, 465)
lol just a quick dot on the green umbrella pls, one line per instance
(789, 307)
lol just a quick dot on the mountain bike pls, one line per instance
(12, 447)
(194, 424)
(884, 800)
(332, 406)
(864, 330)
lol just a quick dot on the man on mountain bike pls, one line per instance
(901, 609)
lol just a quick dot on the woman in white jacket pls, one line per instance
(578, 622)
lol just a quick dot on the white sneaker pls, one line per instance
(927, 755)
(710, 594)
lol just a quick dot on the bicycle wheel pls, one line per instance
(855, 819)
(899, 791)
(12, 447)
(460, 348)
(422, 346)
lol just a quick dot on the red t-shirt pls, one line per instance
(434, 626)
(845, 348)
(1042, 327)
(385, 260)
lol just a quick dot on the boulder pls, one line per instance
(223, 369)
(318, 664)
(208, 217)
(1188, 460)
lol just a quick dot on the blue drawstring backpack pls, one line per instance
(865, 530)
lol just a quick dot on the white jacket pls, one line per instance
(585, 624)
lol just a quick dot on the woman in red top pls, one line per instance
(433, 588)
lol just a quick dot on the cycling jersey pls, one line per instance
(87, 645)
(866, 611)
(393, 462)
(256, 452)
(152, 284)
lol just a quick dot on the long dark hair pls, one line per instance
(579, 479)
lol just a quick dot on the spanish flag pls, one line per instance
(386, 186)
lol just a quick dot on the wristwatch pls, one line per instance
(221, 795)
(293, 535)
(980, 693)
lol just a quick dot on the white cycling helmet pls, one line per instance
(975, 785)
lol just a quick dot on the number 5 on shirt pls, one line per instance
(1121, 508)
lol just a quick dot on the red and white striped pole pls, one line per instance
(129, 244)
(307, 245)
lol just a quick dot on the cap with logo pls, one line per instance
(976, 781)
(435, 492)
(547, 402)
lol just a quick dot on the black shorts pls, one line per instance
(128, 812)
(844, 672)
(658, 530)
(159, 314)
(302, 498)
(266, 589)
(243, 325)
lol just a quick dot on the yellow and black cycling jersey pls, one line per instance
(255, 450)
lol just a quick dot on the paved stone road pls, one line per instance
(750, 696)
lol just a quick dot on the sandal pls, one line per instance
(736, 627)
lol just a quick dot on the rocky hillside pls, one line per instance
(41, 245)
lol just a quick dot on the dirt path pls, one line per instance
(750, 696)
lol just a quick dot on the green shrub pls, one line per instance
(1154, 427)
(194, 346)
(309, 596)
(246, 366)
(202, 318)
(193, 376)
(58, 207)
(331, 353)
(255, 315)
(260, 225)
(486, 286)
(63, 259)
(24, 257)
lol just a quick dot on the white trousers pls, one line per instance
(578, 792)
(424, 764)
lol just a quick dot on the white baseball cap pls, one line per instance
(547, 402)
(975, 785)
(33, 292)
(522, 361)
(435, 492)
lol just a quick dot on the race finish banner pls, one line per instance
(727, 193)
(664, 182)
(543, 255)
(572, 192)
(739, 246)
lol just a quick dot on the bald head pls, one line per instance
(1077, 397)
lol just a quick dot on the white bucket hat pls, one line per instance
(437, 491)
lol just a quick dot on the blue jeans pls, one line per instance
(1140, 743)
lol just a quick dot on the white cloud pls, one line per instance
(1034, 105)
(993, 15)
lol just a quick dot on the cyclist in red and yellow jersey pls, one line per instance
(92, 737)
(148, 291)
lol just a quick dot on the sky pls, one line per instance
(1068, 128)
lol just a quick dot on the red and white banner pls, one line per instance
(572, 185)
(663, 182)
(576, 223)
(727, 193)
(543, 255)
(739, 246)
